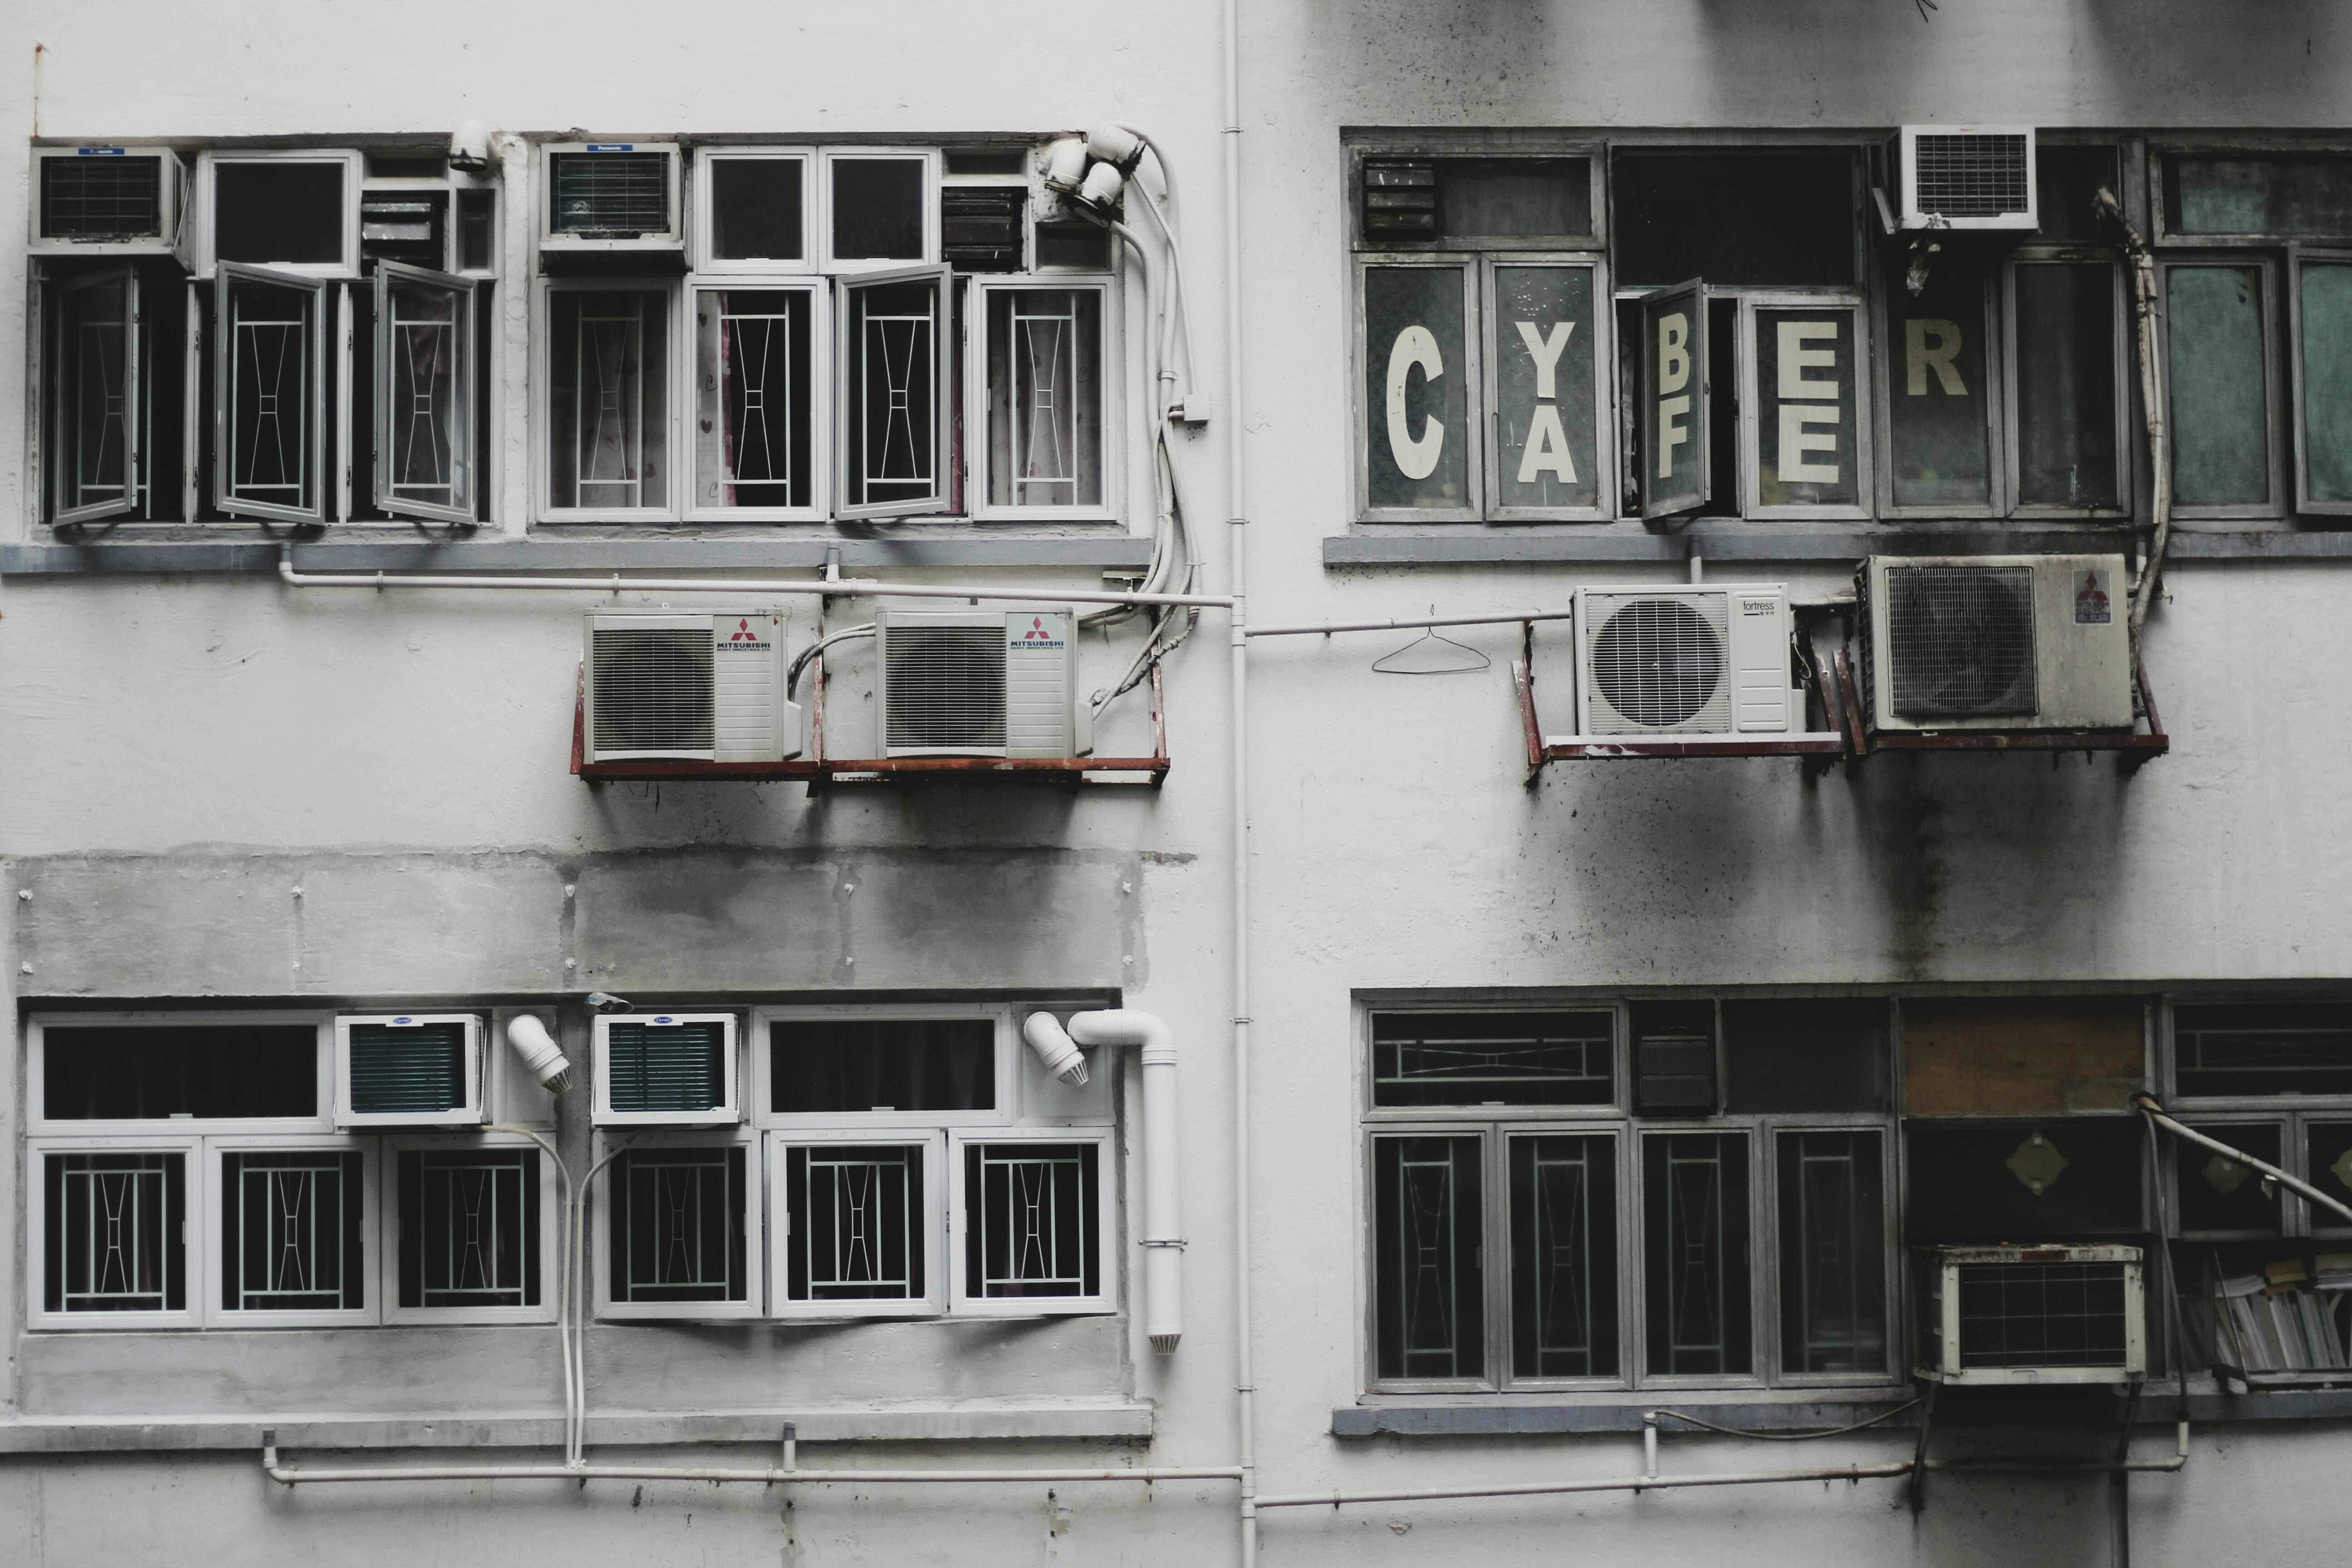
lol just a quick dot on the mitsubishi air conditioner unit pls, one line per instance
(1967, 176)
(667, 1069)
(688, 687)
(2033, 1314)
(1698, 660)
(1995, 642)
(978, 683)
(408, 1069)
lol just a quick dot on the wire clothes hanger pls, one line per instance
(1430, 654)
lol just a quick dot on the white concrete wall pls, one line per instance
(176, 752)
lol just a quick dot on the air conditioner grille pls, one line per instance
(2043, 1315)
(677, 1066)
(653, 689)
(1658, 662)
(1981, 174)
(1960, 640)
(610, 193)
(947, 688)
(418, 1068)
(101, 198)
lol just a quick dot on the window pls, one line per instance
(891, 414)
(269, 395)
(757, 420)
(1041, 374)
(681, 1222)
(425, 339)
(606, 353)
(1630, 1194)
(298, 211)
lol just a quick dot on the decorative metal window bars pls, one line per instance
(424, 357)
(1033, 1225)
(99, 466)
(114, 1232)
(469, 1228)
(855, 1213)
(292, 1234)
(270, 369)
(891, 392)
(1697, 1285)
(608, 393)
(679, 1221)
(1563, 1255)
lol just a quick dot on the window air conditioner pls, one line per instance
(408, 1069)
(708, 687)
(666, 1069)
(1700, 661)
(2033, 1314)
(107, 201)
(609, 195)
(1968, 176)
(1995, 642)
(978, 683)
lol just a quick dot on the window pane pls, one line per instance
(1937, 399)
(468, 1227)
(2327, 1150)
(1429, 1301)
(1807, 369)
(2218, 1194)
(1832, 1253)
(1734, 217)
(1542, 338)
(2072, 178)
(878, 209)
(1417, 390)
(981, 228)
(2066, 337)
(427, 432)
(1079, 245)
(124, 1072)
(1495, 197)
(1044, 397)
(291, 1232)
(1695, 1212)
(882, 1064)
(279, 212)
(93, 412)
(477, 230)
(1493, 1058)
(1563, 1257)
(752, 397)
(2221, 387)
(608, 397)
(2307, 198)
(1814, 1054)
(2278, 1047)
(115, 1233)
(2328, 382)
(272, 442)
(892, 394)
(1673, 1057)
(856, 1223)
(2024, 1182)
(678, 1217)
(1033, 1220)
(755, 209)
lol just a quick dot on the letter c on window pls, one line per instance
(1417, 459)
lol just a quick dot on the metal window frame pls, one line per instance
(542, 359)
(601, 1208)
(466, 480)
(2253, 146)
(172, 193)
(932, 1225)
(472, 1113)
(547, 1195)
(882, 1125)
(846, 289)
(1748, 359)
(1604, 376)
(702, 191)
(2294, 1212)
(212, 1228)
(1497, 144)
(2166, 1064)
(672, 238)
(1702, 346)
(1637, 1221)
(198, 1277)
(2297, 257)
(354, 167)
(2271, 322)
(1617, 1110)
(1110, 382)
(2126, 465)
(1360, 264)
(38, 1125)
(819, 246)
(1772, 1299)
(728, 1112)
(821, 400)
(1995, 402)
(1109, 1230)
(317, 411)
(1490, 1269)
(135, 410)
(1497, 1250)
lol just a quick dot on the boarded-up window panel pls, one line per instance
(2022, 1057)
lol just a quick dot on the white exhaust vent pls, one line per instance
(1968, 176)
(1701, 660)
(977, 683)
(2007, 642)
(689, 687)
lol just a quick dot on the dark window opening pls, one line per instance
(2260, 1048)
(1493, 1058)
(2024, 1182)
(1817, 1054)
(755, 209)
(882, 1064)
(1763, 218)
(276, 212)
(878, 209)
(124, 1072)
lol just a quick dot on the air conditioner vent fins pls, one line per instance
(101, 198)
(608, 195)
(653, 689)
(2041, 1315)
(679, 1067)
(1960, 640)
(1973, 174)
(1659, 663)
(947, 687)
(415, 1070)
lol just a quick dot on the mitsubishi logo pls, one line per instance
(744, 633)
(1036, 631)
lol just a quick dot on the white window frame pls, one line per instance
(671, 238)
(323, 409)
(1605, 389)
(704, 191)
(823, 336)
(942, 496)
(1752, 399)
(215, 1219)
(552, 1219)
(464, 469)
(51, 392)
(171, 194)
(198, 1278)
(599, 1253)
(819, 246)
(354, 166)
(930, 1234)
(961, 1302)
(879, 1126)
(543, 398)
(41, 1125)
(1109, 378)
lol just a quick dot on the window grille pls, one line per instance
(1034, 1221)
(469, 1228)
(679, 1225)
(292, 1231)
(855, 1213)
(114, 1232)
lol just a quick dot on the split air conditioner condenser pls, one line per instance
(1995, 642)
(702, 686)
(1697, 660)
(979, 682)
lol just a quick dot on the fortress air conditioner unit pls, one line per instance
(702, 687)
(666, 1069)
(978, 683)
(1995, 642)
(1699, 660)
(107, 201)
(1967, 176)
(408, 1069)
(2033, 1314)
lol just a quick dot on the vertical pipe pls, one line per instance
(1163, 1228)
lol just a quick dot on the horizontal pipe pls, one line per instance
(1325, 628)
(771, 1475)
(2311, 1194)
(1617, 1484)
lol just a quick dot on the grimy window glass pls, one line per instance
(2289, 197)
(2263, 1048)
(1515, 197)
(1493, 1058)
(753, 423)
(1759, 218)
(2066, 416)
(279, 211)
(2214, 332)
(608, 398)
(2218, 1193)
(1695, 1282)
(143, 1072)
(1429, 1302)
(1938, 440)
(1809, 1053)
(1808, 370)
(1676, 408)
(878, 209)
(755, 209)
(2326, 411)
(2328, 1157)
(1417, 388)
(1539, 333)
(1832, 1252)
(1563, 1257)
(1044, 397)
(881, 1064)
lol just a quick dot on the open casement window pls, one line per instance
(892, 393)
(107, 1232)
(472, 1229)
(1032, 1225)
(424, 402)
(1939, 372)
(2069, 448)
(1042, 377)
(760, 354)
(1803, 452)
(99, 425)
(1421, 391)
(291, 1232)
(1676, 445)
(856, 1223)
(2319, 300)
(296, 211)
(269, 393)
(2219, 323)
(607, 381)
(1548, 361)
(680, 1220)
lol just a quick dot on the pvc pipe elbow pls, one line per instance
(527, 1033)
(1055, 1047)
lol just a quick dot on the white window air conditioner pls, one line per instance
(980, 683)
(408, 1069)
(667, 1069)
(107, 201)
(688, 687)
(609, 196)
(1698, 660)
(1995, 642)
(2033, 1314)
(1967, 176)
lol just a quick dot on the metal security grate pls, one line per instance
(416, 1067)
(653, 689)
(611, 194)
(1980, 175)
(675, 1067)
(2041, 1315)
(947, 688)
(1960, 640)
(1658, 664)
(101, 198)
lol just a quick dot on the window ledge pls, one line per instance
(910, 1422)
(1730, 540)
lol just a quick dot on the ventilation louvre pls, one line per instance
(653, 689)
(946, 688)
(394, 1070)
(87, 200)
(1960, 640)
(609, 195)
(2033, 1313)
(1659, 664)
(1973, 175)
(674, 1068)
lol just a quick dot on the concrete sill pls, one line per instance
(1729, 540)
